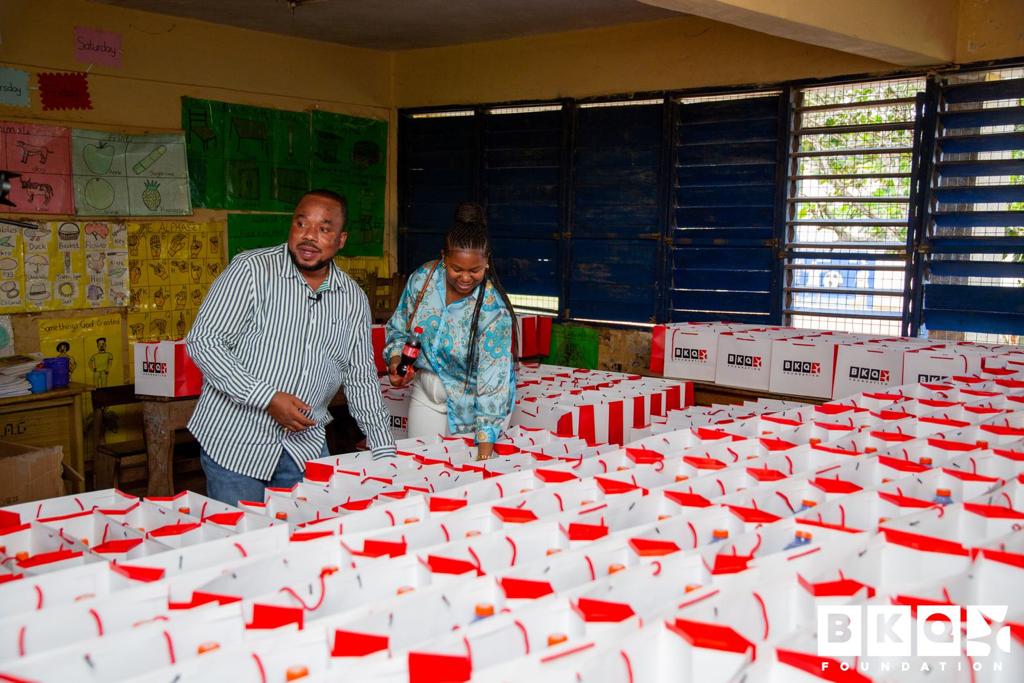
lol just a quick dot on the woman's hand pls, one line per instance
(484, 450)
(393, 376)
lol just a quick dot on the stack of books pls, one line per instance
(12, 374)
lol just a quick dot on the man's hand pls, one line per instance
(289, 412)
(393, 376)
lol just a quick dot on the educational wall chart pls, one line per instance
(12, 269)
(171, 266)
(63, 265)
(350, 157)
(252, 231)
(94, 345)
(41, 158)
(129, 175)
(258, 159)
(6, 336)
(70, 265)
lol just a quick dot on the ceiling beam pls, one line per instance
(907, 32)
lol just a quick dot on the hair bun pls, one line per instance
(470, 212)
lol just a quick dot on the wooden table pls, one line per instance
(161, 417)
(51, 418)
(705, 394)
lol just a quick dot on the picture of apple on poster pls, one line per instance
(129, 175)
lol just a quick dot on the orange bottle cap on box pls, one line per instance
(22, 556)
(809, 503)
(681, 477)
(411, 520)
(185, 510)
(404, 589)
(556, 639)
(943, 492)
(720, 533)
(621, 468)
(814, 441)
(552, 551)
(294, 673)
(883, 520)
(282, 515)
(208, 646)
(870, 449)
(926, 461)
(690, 587)
(84, 540)
(471, 533)
(661, 517)
(484, 609)
(615, 567)
(586, 502)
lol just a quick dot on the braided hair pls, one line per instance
(469, 232)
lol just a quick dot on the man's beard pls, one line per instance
(319, 265)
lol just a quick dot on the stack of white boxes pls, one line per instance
(702, 554)
(799, 362)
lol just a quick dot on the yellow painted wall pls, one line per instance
(990, 29)
(670, 54)
(166, 58)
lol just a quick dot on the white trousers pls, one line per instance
(428, 407)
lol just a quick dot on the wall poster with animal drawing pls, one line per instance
(129, 175)
(41, 156)
(12, 269)
(171, 264)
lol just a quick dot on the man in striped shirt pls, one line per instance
(281, 329)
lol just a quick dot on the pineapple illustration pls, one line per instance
(151, 195)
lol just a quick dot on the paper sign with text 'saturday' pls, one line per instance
(164, 369)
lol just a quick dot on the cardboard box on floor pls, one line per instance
(29, 473)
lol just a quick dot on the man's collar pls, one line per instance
(290, 270)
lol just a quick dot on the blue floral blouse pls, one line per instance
(483, 405)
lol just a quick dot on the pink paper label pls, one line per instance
(93, 46)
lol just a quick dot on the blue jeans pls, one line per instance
(230, 487)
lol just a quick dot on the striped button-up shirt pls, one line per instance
(262, 329)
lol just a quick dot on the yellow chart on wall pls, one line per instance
(12, 270)
(93, 344)
(171, 264)
(54, 267)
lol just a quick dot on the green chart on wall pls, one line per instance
(252, 231)
(257, 159)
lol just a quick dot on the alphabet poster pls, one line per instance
(130, 175)
(93, 344)
(171, 266)
(40, 158)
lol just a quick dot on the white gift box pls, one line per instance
(866, 368)
(803, 366)
(691, 352)
(743, 361)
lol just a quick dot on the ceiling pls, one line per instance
(406, 24)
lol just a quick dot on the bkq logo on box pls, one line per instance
(690, 354)
(801, 367)
(892, 631)
(153, 366)
(739, 360)
(876, 375)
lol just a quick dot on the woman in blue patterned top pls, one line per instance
(465, 373)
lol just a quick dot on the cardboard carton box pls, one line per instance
(29, 472)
